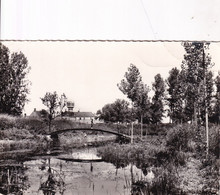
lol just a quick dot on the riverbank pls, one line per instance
(178, 161)
(175, 155)
(19, 133)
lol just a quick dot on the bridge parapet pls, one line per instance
(55, 133)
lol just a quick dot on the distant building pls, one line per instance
(38, 114)
(84, 117)
(70, 106)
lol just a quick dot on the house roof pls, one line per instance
(79, 114)
(37, 114)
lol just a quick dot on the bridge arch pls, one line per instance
(56, 133)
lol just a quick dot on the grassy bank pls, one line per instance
(176, 154)
(18, 133)
(178, 160)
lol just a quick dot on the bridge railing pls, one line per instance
(67, 124)
(55, 133)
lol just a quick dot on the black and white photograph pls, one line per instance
(109, 97)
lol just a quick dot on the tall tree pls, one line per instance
(175, 101)
(13, 83)
(173, 83)
(130, 85)
(143, 105)
(52, 102)
(206, 97)
(195, 65)
(157, 105)
(216, 110)
(136, 91)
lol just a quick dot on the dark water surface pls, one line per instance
(79, 172)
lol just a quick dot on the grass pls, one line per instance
(177, 153)
(19, 133)
(178, 159)
(141, 153)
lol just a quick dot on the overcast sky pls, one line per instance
(88, 72)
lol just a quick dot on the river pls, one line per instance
(78, 171)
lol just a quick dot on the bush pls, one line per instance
(7, 121)
(62, 123)
(33, 124)
(15, 134)
(181, 138)
(26, 144)
(214, 140)
(165, 182)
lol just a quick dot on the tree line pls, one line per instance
(187, 95)
(14, 86)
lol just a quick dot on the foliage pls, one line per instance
(157, 105)
(195, 65)
(143, 104)
(13, 83)
(214, 135)
(44, 114)
(34, 125)
(13, 179)
(210, 168)
(115, 112)
(165, 181)
(7, 121)
(50, 100)
(215, 117)
(53, 102)
(206, 97)
(25, 144)
(129, 86)
(181, 138)
(175, 99)
(137, 92)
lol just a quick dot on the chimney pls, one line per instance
(35, 109)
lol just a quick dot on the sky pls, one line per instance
(88, 72)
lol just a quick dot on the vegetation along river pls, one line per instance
(80, 171)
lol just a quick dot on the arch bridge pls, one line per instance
(121, 136)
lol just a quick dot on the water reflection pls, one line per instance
(54, 182)
(13, 179)
(79, 172)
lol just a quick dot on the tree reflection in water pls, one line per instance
(13, 179)
(54, 181)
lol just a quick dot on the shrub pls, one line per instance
(181, 138)
(62, 123)
(214, 140)
(33, 124)
(7, 121)
(165, 182)
(16, 134)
